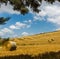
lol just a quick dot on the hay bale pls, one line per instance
(11, 46)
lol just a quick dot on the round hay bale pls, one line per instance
(11, 46)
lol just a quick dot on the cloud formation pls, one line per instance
(28, 21)
(11, 28)
(6, 31)
(49, 11)
(19, 25)
(25, 34)
(8, 9)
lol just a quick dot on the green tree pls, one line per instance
(3, 20)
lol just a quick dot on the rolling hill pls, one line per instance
(35, 44)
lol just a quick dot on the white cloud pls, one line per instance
(28, 21)
(28, 26)
(10, 30)
(58, 28)
(36, 18)
(19, 25)
(13, 27)
(8, 9)
(25, 34)
(50, 11)
(1, 33)
(5, 31)
(55, 20)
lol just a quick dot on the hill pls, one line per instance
(35, 44)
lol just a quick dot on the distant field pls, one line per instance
(35, 44)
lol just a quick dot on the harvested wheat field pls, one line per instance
(35, 44)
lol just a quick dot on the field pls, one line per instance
(35, 44)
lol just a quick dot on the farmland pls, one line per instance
(35, 44)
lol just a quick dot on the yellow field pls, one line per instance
(35, 44)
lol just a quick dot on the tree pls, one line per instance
(3, 20)
(22, 6)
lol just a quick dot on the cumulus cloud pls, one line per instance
(13, 27)
(5, 31)
(25, 34)
(1, 33)
(28, 21)
(58, 28)
(49, 11)
(28, 26)
(10, 30)
(8, 9)
(19, 25)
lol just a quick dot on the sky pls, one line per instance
(47, 20)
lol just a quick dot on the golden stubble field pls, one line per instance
(35, 44)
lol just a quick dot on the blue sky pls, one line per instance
(47, 20)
